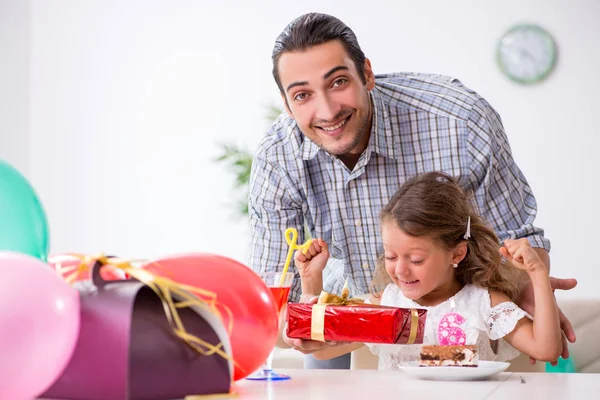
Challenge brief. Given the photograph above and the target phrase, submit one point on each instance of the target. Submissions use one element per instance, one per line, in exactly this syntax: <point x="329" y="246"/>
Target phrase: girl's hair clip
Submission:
<point x="468" y="233"/>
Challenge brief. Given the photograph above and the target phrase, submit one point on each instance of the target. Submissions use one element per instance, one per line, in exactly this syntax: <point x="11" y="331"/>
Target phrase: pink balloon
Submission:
<point x="39" y="325"/>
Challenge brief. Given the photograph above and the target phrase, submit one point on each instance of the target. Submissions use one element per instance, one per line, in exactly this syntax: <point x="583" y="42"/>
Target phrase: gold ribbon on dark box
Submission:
<point x="145" y="338"/>
<point x="344" y="319"/>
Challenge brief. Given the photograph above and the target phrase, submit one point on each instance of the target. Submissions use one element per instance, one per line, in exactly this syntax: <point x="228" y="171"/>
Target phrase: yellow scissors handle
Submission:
<point x="291" y="237"/>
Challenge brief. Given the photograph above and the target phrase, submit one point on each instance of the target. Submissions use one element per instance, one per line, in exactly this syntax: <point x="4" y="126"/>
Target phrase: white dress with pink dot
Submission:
<point x="465" y="318"/>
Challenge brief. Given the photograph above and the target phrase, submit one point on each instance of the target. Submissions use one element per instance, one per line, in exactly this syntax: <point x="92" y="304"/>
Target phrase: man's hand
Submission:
<point x="306" y="346"/>
<point x="527" y="303"/>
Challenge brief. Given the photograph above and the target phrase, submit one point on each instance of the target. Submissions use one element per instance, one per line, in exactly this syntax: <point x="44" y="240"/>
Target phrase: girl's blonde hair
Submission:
<point x="434" y="205"/>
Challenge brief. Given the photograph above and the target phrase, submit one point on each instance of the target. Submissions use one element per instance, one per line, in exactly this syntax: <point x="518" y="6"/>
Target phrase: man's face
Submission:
<point x="328" y="99"/>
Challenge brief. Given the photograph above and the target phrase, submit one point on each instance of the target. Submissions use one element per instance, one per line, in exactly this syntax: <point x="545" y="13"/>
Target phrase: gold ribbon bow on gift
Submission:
<point x="317" y="327"/>
<point x="190" y="296"/>
<point x="317" y="322"/>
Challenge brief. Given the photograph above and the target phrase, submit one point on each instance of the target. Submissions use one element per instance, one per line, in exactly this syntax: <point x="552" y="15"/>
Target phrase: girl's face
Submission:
<point x="420" y="266"/>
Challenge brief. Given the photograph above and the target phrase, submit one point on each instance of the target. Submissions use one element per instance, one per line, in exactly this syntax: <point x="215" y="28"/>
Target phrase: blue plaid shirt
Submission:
<point x="421" y="123"/>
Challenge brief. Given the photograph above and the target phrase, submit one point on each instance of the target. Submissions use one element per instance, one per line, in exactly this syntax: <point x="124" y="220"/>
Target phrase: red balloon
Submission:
<point x="253" y="310"/>
<point x="68" y="263"/>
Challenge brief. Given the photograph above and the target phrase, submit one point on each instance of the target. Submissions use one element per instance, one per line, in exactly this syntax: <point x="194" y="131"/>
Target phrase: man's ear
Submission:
<point x="286" y="105"/>
<point x="369" y="75"/>
<point x="460" y="252"/>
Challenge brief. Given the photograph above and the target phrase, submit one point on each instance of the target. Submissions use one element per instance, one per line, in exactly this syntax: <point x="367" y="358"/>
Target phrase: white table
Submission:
<point x="548" y="386"/>
<point x="397" y="385"/>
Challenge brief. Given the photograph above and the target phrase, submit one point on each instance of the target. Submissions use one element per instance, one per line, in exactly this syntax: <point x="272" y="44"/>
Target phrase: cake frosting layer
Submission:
<point x="459" y="356"/>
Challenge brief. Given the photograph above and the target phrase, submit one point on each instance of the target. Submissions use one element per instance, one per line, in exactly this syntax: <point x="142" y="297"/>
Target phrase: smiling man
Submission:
<point x="349" y="139"/>
<point x="331" y="103"/>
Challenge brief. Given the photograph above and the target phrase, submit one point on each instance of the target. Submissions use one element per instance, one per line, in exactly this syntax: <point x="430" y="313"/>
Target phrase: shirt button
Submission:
<point x="365" y="266"/>
<point x="358" y="222"/>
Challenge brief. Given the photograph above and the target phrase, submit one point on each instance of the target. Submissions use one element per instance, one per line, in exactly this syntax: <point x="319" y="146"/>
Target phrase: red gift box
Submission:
<point x="365" y="323"/>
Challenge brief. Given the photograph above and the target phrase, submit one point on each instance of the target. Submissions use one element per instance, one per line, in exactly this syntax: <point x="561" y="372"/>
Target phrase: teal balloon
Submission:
<point x="563" y="366"/>
<point x="23" y="222"/>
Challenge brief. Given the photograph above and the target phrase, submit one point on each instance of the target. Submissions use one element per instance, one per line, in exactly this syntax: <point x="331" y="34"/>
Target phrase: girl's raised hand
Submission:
<point x="520" y="253"/>
<point x="312" y="263"/>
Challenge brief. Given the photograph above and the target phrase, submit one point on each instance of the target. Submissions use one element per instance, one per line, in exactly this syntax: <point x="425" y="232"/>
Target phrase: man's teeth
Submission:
<point x="333" y="128"/>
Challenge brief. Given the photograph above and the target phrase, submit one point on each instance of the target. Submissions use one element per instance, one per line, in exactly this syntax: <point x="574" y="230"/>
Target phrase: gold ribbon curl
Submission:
<point x="72" y="273"/>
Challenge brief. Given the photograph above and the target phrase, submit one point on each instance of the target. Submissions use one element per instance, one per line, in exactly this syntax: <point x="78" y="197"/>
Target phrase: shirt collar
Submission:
<point x="384" y="141"/>
<point x="308" y="149"/>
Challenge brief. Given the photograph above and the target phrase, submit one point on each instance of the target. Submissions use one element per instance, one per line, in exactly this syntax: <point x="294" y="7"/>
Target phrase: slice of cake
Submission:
<point x="449" y="356"/>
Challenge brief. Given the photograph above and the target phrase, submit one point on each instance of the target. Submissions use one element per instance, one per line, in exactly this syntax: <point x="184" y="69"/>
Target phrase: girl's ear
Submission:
<point x="459" y="252"/>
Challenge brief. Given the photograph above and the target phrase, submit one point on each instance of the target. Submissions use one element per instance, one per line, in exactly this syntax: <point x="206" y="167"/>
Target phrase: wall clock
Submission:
<point x="526" y="53"/>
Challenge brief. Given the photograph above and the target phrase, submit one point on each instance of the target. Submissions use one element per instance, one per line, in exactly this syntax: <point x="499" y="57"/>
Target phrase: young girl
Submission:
<point x="440" y="255"/>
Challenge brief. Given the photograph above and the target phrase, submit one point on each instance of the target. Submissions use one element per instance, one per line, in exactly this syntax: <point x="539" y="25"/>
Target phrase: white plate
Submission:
<point x="484" y="370"/>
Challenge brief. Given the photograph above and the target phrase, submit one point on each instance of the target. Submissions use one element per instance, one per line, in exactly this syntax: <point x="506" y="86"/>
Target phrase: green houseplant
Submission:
<point x="239" y="162"/>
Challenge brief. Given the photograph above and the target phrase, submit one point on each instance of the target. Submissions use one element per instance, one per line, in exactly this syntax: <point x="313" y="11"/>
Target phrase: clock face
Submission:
<point x="526" y="53"/>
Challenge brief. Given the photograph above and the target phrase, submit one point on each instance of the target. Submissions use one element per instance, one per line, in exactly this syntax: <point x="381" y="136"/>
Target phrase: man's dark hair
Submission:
<point x="313" y="29"/>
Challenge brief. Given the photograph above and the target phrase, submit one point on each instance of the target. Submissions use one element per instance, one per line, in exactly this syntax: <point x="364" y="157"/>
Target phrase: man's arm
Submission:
<point x="502" y="193"/>
<point x="544" y="256"/>
<point x="272" y="209"/>
<point x="505" y="199"/>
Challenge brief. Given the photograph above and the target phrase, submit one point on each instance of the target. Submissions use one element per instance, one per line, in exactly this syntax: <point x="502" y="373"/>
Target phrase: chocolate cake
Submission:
<point x="449" y="356"/>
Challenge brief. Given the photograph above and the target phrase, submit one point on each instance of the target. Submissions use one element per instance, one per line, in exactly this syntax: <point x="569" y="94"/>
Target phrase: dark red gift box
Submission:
<point x="365" y="323"/>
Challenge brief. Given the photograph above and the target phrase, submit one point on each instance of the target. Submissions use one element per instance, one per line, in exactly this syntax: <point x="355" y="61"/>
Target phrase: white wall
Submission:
<point x="14" y="83"/>
<point x="130" y="99"/>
